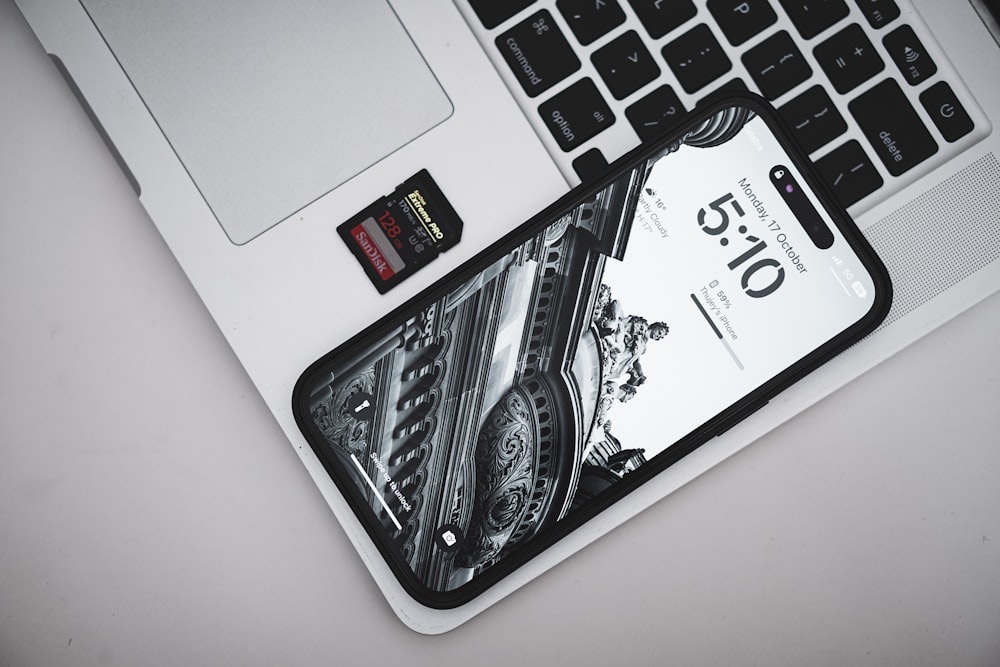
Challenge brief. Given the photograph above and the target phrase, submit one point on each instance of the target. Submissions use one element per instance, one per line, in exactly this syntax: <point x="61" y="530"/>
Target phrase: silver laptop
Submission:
<point x="251" y="131"/>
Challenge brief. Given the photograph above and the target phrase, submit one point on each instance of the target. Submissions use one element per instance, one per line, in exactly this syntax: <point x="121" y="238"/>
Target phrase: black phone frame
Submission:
<point x="723" y="421"/>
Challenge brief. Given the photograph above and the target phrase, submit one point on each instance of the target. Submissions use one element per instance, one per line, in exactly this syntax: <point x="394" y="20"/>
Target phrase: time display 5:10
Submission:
<point x="714" y="221"/>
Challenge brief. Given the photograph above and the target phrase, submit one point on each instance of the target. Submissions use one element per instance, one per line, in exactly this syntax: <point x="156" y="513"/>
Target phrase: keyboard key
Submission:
<point x="850" y="173"/>
<point x="576" y="114"/>
<point x="537" y="53"/>
<point x="909" y="55"/>
<point x="946" y="111"/>
<point x="659" y="17"/>
<point x="625" y="64"/>
<point x="591" y="19"/>
<point x="732" y="86"/>
<point x="696" y="58"/>
<point x="814" y="119"/>
<point x="811" y="17"/>
<point x="892" y="126"/>
<point x="742" y="19"/>
<point x="776" y="65"/>
<point x="590" y="165"/>
<point x="848" y="58"/>
<point x="492" y="13"/>
<point x="655" y="113"/>
<point x="878" y="12"/>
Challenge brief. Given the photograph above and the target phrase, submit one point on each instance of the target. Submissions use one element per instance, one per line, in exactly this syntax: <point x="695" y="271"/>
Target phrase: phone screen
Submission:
<point x="586" y="351"/>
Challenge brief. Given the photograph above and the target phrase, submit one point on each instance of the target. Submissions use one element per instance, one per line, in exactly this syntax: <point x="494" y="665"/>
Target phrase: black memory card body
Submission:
<point x="403" y="231"/>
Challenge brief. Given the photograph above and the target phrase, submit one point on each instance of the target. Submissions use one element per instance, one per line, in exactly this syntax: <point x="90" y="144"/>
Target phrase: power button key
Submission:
<point x="946" y="111"/>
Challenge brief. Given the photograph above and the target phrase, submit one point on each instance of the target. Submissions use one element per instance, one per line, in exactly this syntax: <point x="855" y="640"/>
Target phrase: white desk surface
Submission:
<point x="151" y="513"/>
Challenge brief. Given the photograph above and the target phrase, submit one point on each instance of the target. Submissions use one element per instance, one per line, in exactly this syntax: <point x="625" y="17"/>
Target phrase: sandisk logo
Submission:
<point x="372" y="253"/>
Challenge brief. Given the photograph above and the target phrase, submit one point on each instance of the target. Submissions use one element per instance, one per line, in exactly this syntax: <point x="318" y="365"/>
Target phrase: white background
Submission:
<point x="151" y="512"/>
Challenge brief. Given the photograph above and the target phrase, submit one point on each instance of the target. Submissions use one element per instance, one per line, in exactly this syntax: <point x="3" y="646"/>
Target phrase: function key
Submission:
<point x="742" y="19"/>
<point x="589" y="165"/>
<point x="537" y="53"/>
<point x="625" y="64"/>
<point x="655" y="113"/>
<point x="591" y="19"/>
<point x="811" y="17"/>
<point x="848" y="58"/>
<point x="659" y="17"/>
<point x="878" y="12"/>
<point x="576" y="114"/>
<point x="776" y="65"/>
<point x="946" y="111"/>
<point x="814" y="119"/>
<point x="909" y="55"/>
<point x="492" y="13"/>
<point x="696" y="58"/>
<point x="892" y="126"/>
<point x="850" y="173"/>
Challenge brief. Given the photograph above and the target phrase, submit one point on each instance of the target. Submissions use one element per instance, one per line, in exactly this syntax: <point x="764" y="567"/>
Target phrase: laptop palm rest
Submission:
<point x="271" y="105"/>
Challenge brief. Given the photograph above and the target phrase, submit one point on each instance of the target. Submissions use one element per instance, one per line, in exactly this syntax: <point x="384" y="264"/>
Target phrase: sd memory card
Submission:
<point x="399" y="233"/>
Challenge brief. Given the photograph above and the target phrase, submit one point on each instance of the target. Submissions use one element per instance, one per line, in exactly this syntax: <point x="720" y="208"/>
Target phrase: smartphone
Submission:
<point x="591" y="348"/>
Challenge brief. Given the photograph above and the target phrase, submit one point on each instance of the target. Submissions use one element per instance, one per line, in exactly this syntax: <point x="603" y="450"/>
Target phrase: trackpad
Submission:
<point x="270" y="105"/>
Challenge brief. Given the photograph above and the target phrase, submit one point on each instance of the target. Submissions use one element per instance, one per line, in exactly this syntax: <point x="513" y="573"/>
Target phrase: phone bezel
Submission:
<point x="704" y="433"/>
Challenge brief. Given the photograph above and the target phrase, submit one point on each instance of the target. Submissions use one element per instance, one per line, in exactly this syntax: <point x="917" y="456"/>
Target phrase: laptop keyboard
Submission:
<point x="862" y="83"/>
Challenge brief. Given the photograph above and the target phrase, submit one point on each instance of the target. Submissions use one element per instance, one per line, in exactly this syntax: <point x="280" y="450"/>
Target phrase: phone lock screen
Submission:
<point x="586" y="352"/>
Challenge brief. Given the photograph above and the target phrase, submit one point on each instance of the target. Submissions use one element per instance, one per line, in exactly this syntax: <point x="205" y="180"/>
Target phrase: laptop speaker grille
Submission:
<point x="941" y="237"/>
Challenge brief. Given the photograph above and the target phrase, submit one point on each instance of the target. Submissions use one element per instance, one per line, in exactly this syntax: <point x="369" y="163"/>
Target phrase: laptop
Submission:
<point x="249" y="134"/>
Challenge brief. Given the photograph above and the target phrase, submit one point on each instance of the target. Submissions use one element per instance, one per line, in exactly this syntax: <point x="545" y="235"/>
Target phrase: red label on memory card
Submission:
<point x="372" y="253"/>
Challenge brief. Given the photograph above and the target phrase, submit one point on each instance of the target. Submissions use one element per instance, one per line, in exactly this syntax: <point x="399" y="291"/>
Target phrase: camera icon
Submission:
<point x="448" y="537"/>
